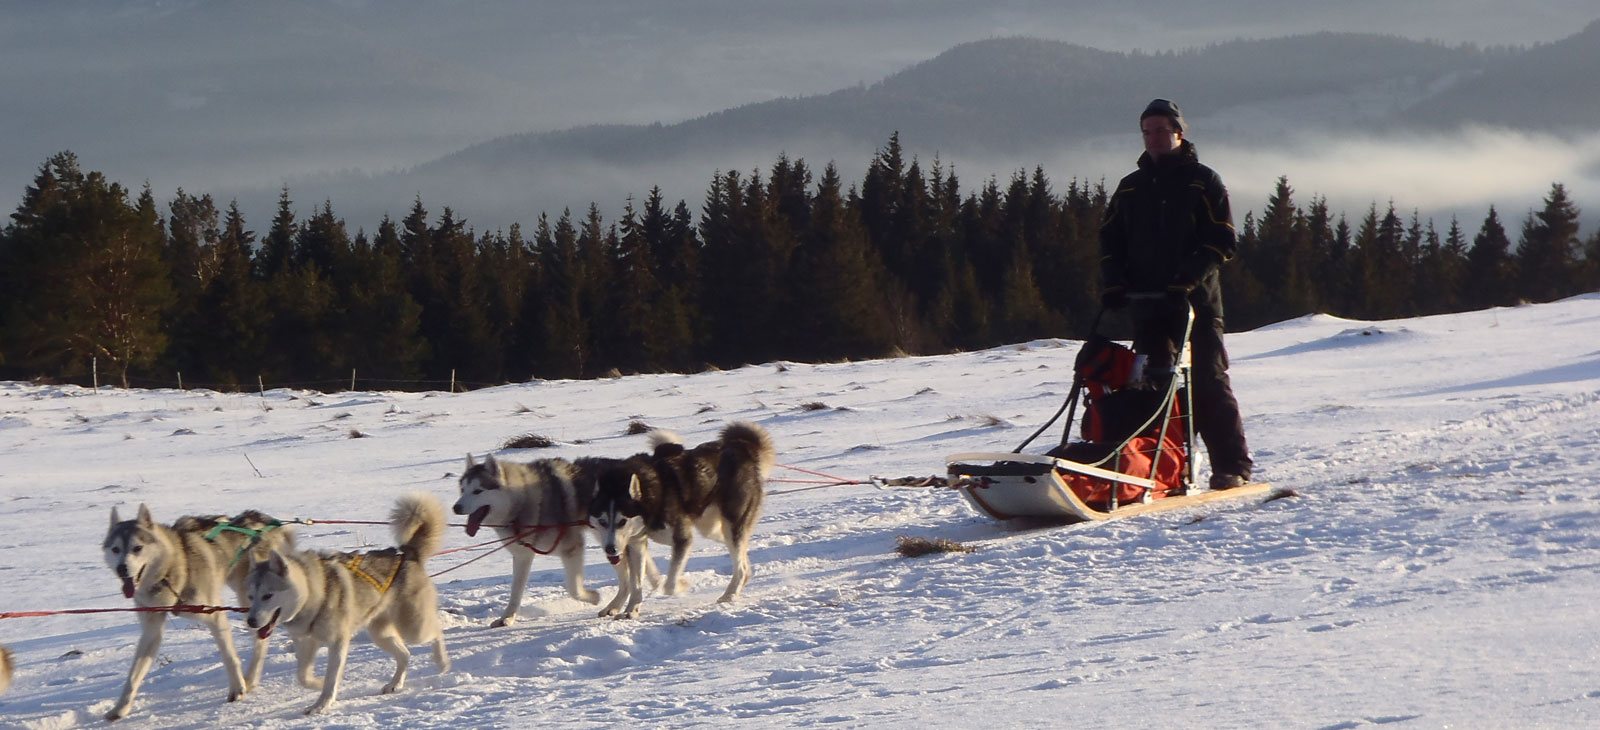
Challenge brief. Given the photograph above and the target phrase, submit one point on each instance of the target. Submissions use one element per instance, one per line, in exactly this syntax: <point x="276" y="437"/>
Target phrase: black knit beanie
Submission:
<point x="1167" y="109"/>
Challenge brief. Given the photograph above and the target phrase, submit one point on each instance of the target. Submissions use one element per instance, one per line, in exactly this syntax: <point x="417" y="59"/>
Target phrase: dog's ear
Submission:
<point x="276" y="564"/>
<point x="145" y="520"/>
<point x="494" y="468"/>
<point x="115" y="520"/>
<point x="470" y="463"/>
<point x="634" y="491"/>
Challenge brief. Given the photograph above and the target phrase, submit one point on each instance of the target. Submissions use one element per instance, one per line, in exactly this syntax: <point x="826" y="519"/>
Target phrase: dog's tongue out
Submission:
<point x="613" y="558"/>
<point x="127" y="587"/>
<point x="475" y="520"/>
<point x="266" y="631"/>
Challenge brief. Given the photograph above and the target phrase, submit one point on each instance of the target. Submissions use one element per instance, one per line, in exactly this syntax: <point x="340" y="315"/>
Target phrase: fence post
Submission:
<point x="352" y="378"/>
<point x="180" y="380"/>
<point x="94" y="366"/>
<point x="262" y="384"/>
<point x="452" y="380"/>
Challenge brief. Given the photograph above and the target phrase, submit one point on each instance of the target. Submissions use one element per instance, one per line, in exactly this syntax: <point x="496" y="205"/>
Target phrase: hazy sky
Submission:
<point x="231" y="95"/>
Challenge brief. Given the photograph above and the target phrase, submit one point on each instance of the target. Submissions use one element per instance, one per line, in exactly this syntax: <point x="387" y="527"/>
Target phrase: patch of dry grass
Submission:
<point x="528" y="441"/>
<point x="916" y="547"/>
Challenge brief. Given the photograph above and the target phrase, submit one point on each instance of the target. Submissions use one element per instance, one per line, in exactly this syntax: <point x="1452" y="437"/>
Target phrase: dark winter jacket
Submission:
<point x="1168" y="224"/>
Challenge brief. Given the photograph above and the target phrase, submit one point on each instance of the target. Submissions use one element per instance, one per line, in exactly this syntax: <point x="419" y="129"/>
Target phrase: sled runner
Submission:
<point x="1133" y="457"/>
<point x="1007" y="486"/>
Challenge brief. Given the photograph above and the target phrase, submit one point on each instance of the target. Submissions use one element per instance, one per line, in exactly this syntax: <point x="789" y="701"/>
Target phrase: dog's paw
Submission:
<point x="392" y="688"/>
<point x="311" y="683"/>
<point x="590" y="597"/>
<point x="317" y="709"/>
<point x="116" y="714"/>
<point x="728" y="598"/>
<point x="502" y="622"/>
<point x="608" y="611"/>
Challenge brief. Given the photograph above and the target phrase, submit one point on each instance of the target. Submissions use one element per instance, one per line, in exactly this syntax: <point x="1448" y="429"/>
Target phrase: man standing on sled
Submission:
<point x="1167" y="230"/>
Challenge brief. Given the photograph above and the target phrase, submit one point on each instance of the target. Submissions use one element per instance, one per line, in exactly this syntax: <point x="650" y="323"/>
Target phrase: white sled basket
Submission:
<point x="1008" y="486"/>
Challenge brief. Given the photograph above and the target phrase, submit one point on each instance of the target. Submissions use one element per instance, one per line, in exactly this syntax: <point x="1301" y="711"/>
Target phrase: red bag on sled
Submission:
<point x="1120" y="428"/>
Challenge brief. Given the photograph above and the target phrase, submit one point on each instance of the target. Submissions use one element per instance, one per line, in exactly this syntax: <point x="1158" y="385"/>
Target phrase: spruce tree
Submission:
<point x="231" y="319"/>
<point x="85" y="276"/>
<point x="1490" y="271"/>
<point x="564" y="346"/>
<point x="1549" y="253"/>
<point x="1278" y="262"/>
<point x="836" y="274"/>
<point x="191" y="255"/>
<point x="674" y="258"/>
<point x="463" y="344"/>
<point x="277" y="249"/>
<point x="595" y="245"/>
<point x="381" y="325"/>
<point x="634" y="337"/>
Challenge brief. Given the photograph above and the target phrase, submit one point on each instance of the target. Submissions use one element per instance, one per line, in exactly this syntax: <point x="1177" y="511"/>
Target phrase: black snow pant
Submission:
<point x="1158" y="328"/>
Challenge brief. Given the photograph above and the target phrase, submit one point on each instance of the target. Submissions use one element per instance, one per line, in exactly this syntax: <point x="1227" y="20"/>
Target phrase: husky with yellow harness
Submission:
<point x="324" y="599"/>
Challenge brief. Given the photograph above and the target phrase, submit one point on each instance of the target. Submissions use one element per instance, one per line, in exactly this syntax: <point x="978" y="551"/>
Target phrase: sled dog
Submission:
<point x="5" y="669"/>
<point x="540" y="506"/>
<point x="715" y="488"/>
<point x="188" y="562"/>
<point x="324" y="599"/>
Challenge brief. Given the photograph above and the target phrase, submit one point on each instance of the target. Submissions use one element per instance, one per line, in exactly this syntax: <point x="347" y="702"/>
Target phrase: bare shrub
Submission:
<point x="527" y="441"/>
<point x="916" y="547"/>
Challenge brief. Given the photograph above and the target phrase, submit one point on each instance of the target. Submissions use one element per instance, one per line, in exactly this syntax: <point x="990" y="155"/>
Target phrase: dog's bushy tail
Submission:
<point x="664" y="443"/>
<point x="418" y="521"/>
<point x="5" y="669"/>
<point x="747" y="442"/>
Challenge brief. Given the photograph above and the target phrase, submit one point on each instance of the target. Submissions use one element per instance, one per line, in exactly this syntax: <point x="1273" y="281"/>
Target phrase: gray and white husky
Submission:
<point x="540" y="505"/>
<point x="187" y="562"/>
<point x="715" y="488"/>
<point x="324" y="599"/>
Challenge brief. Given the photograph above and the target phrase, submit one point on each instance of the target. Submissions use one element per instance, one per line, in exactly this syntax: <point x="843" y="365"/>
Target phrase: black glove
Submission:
<point x="1114" y="297"/>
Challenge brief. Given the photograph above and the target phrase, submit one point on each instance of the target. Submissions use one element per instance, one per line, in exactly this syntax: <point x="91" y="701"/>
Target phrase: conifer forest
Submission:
<point x="785" y="263"/>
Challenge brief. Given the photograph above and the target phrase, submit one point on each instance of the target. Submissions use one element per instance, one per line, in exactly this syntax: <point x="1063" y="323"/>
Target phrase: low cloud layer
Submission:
<point x="1456" y="174"/>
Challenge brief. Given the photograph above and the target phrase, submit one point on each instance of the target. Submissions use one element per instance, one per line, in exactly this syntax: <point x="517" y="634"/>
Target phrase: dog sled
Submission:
<point x="1133" y="455"/>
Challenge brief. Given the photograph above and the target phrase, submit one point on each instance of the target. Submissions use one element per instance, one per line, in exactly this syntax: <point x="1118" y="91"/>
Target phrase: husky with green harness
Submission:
<point x="188" y="562"/>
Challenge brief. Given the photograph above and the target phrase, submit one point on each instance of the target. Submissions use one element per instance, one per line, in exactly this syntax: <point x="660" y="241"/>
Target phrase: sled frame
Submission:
<point x="1008" y="486"/>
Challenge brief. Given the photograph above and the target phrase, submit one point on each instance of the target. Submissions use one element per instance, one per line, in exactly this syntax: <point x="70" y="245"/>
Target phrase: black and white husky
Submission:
<point x="667" y="495"/>
<point x="538" y="508"/>
<point x="187" y="562"/>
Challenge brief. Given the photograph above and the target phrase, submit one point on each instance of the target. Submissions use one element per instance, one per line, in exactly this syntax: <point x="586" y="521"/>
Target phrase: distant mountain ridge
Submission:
<point x="1015" y="92"/>
<point x="1016" y="101"/>
<point x="1551" y="87"/>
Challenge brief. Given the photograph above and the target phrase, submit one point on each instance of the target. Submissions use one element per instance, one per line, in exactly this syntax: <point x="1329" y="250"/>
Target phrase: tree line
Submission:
<point x="784" y="263"/>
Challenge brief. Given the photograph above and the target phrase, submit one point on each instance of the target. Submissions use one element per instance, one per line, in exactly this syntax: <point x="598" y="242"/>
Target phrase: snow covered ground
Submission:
<point x="1439" y="568"/>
